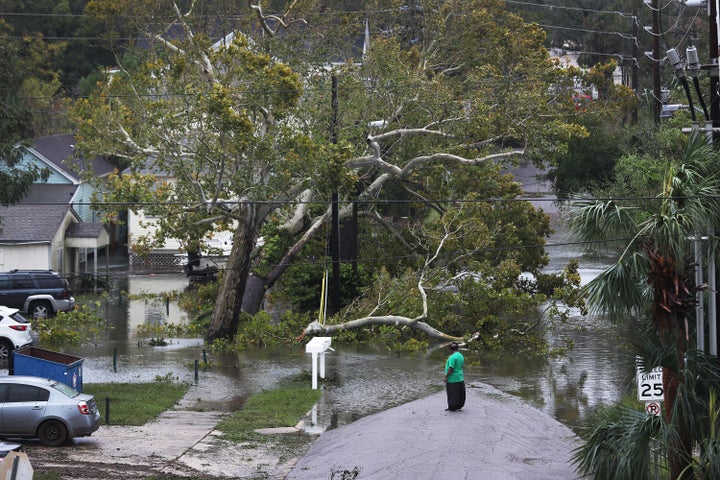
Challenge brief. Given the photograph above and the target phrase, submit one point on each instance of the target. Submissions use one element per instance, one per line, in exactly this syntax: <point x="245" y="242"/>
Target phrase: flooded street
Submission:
<point x="360" y="380"/>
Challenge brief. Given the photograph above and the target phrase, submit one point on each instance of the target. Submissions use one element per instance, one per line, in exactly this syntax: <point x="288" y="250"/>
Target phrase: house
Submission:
<point x="52" y="226"/>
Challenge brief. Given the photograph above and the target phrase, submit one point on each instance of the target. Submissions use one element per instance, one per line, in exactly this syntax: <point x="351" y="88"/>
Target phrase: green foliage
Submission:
<point x="400" y="340"/>
<point x="619" y="439"/>
<point x="260" y="331"/>
<point x="136" y="403"/>
<point x="589" y="161"/>
<point x="236" y="123"/>
<point x="69" y="328"/>
<point x="302" y="286"/>
<point x="199" y="301"/>
<point x="618" y="443"/>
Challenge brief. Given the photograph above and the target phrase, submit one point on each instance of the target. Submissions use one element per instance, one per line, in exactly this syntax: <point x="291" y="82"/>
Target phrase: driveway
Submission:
<point x="496" y="436"/>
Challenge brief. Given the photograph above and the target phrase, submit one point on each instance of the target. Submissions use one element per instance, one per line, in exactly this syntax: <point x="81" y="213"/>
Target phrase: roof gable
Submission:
<point x="58" y="153"/>
<point x="39" y="215"/>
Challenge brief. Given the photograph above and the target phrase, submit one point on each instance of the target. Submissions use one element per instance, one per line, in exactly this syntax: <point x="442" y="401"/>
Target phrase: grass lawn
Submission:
<point x="281" y="407"/>
<point x="135" y="403"/>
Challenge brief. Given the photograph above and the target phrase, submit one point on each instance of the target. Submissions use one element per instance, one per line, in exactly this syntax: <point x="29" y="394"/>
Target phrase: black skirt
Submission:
<point x="455" y="395"/>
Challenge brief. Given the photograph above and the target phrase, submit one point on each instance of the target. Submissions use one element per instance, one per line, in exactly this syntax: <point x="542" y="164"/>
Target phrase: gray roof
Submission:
<point x="60" y="151"/>
<point x="38" y="216"/>
<point x="85" y="230"/>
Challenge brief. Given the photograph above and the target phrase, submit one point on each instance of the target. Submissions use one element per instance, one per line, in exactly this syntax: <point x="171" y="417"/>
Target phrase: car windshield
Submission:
<point x="64" y="389"/>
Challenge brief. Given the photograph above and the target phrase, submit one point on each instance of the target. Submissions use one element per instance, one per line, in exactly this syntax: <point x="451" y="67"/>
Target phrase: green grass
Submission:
<point x="281" y="407"/>
<point x="135" y="403"/>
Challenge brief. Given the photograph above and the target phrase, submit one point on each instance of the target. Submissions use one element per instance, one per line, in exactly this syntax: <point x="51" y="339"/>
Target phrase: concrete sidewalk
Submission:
<point x="495" y="437"/>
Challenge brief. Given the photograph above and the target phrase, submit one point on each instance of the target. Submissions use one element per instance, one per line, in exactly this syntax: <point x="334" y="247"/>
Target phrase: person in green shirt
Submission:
<point x="454" y="379"/>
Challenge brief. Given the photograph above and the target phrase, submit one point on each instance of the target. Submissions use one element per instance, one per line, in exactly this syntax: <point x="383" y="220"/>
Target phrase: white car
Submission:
<point x="14" y="333"/>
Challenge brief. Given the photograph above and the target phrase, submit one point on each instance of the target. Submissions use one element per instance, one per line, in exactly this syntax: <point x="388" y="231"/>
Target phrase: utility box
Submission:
<point x="37" y="362"/>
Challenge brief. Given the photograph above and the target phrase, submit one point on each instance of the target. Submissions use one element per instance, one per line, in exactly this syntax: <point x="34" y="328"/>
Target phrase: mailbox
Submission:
<point x="317" y="347"/>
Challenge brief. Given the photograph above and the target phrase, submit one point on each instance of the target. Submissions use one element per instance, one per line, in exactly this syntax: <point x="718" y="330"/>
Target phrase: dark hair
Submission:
<point x="454" y="346"/>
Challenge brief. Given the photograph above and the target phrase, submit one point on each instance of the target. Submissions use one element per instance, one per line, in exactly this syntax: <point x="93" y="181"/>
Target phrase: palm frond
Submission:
<point x="618" y="443"/>
<point x="602" y="221"/>
<point x="619" y="287"/>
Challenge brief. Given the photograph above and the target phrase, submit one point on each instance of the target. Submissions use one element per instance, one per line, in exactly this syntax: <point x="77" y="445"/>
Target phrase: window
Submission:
<point x="22" y="282"/>
<point x="27" y="393"/>
<point x="4" y="282"/>
<point x="48" y="281"/>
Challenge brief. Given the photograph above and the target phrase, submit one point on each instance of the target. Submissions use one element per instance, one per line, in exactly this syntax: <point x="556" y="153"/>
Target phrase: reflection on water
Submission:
<point x="362" y="380"/>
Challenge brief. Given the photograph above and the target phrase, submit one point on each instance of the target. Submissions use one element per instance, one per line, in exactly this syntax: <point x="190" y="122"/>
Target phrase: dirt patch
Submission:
<point x="179" y="444"/>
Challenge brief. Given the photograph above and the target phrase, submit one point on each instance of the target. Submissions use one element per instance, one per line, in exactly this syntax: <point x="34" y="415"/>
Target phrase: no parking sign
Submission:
<point x="653" y="408"/>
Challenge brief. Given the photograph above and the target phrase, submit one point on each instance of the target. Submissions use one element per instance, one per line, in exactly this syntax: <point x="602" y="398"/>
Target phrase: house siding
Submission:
<point x="30" y="159"/>
<point x="163" y="259"/>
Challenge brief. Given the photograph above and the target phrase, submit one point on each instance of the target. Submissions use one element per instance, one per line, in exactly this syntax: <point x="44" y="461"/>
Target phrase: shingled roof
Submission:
<point x="38" y="216"/>
<point x="85" y="230"/>
<point x="60" y="151"/>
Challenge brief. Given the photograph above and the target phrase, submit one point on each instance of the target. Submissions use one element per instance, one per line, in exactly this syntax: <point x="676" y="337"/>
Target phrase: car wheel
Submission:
<point x="52" y="433"/>
<point x="40" y="309"/>
<point x="6" y="349"/>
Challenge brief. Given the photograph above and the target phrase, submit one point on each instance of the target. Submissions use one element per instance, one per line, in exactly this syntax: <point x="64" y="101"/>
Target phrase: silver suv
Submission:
<point x="40" y="293"/>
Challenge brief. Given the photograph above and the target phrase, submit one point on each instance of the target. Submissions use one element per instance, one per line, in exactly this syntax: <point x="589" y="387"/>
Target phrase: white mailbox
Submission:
<point x="317" y="347"/>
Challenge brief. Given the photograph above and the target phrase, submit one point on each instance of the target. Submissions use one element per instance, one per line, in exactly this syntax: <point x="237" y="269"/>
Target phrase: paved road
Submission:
<point x="495" y="437"/>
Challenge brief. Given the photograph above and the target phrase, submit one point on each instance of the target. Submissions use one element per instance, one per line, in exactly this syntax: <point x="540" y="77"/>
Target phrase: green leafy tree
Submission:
<point x="15" y="122"/>
<point x="247" y="131"/>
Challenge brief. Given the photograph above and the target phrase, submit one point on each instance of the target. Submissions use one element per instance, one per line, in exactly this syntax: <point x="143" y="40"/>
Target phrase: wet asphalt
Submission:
<point x="494" y="437"/>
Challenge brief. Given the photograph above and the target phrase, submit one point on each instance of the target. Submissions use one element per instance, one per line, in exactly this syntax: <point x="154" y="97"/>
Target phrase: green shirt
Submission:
<point x="455" y="361"/>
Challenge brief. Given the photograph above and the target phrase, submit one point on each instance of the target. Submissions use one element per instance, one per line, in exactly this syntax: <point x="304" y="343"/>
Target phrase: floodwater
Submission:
<point x="360" y="380"/>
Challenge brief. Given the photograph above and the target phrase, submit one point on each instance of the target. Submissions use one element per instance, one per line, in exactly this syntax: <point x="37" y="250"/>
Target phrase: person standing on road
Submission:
<point x="455" y="379"/>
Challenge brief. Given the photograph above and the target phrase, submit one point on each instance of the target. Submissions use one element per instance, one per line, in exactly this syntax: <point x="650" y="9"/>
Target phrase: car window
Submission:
<point x="47" y="281"/>
<point x="22" y="282"/>
<point x="19" y="318"/>
<point x="27" y="393"/>
<point x="3" y="390"/>
<point x="65" y="389"/>
<point x="4" y="282"/>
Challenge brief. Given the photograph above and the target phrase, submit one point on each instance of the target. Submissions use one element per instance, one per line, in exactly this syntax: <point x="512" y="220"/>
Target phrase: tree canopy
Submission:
<point x="259" y="127"/>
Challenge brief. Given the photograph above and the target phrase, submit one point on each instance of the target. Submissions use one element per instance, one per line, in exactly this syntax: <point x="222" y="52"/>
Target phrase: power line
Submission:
<point x="580" y="9"/>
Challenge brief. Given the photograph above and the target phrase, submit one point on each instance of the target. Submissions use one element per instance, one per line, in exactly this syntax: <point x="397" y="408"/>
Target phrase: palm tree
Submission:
<point x="653" y="268"/>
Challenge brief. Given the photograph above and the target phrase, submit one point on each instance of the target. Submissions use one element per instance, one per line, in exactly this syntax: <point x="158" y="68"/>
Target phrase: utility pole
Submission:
<point x="713" y="67"/>
<point x="657" y="103"/>
<point x="713" y="12"/>
<point x="335" y="231"/>
<point x="635" y="59"/>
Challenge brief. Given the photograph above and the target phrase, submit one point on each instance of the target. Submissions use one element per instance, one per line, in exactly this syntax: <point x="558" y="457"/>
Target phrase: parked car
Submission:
<point x="14" y="333"/>
<point x="34" y="407"/>
<point x="40" y="293"/>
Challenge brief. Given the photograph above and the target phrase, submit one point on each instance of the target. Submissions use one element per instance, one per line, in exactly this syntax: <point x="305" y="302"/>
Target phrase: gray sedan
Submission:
<point x="51" y="411"/>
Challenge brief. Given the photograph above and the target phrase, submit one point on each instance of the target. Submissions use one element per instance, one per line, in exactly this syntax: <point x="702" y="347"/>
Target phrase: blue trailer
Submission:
<point x="38" y="362"/>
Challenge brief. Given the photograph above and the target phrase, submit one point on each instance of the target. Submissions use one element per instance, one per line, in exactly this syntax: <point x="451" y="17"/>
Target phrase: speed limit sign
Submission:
<point x="650" y="385"/>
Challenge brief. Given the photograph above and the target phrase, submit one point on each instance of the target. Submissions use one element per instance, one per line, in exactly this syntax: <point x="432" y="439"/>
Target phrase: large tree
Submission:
<point x="260" y="130"/>
<point x="16" y="120"/>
